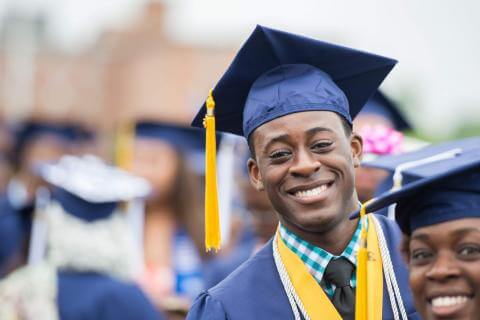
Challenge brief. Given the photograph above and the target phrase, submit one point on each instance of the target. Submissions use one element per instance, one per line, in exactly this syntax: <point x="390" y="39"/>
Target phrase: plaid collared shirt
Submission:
<point x="317" y="259"/>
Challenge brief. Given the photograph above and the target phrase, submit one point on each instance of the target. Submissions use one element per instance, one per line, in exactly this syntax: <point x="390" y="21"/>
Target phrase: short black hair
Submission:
<point x="347" y="128"/>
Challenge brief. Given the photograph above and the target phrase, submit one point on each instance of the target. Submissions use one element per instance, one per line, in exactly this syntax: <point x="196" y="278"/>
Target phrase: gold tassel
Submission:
<point x="212" y="220"/>
<point x="124" y="145"/>
<point x="361" y="302"/>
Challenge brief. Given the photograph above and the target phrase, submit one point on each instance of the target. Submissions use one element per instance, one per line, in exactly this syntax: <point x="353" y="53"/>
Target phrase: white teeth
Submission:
<point x="448" y="301"/>
<point x="312" y="192"/>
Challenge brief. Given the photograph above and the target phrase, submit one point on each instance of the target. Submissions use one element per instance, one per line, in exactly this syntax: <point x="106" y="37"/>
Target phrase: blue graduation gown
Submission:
<point x="218" y="269"/>
<point x="87" y="295"/>
<point x="15" y="227"/>
<point x="255" y="291"/>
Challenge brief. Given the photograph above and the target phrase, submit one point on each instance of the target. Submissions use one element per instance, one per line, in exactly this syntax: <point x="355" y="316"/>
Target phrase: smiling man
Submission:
<point x="293" y="99"/>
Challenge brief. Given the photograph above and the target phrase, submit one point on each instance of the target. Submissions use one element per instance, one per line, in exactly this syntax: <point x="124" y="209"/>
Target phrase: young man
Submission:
<point x="293" y="99"/>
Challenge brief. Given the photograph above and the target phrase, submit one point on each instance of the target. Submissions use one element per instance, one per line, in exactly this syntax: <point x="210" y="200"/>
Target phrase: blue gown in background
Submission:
<point x="15" y="225"/>
<point x="255" y="291"/>
<point x="92" y="296"/>
<point x="219" y="268"/>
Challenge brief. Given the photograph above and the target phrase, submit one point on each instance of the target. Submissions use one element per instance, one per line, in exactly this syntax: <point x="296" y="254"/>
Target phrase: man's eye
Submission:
<point x="279" y="154"/>
<point x="421" y="255"/>
<point x="321" y="145"/>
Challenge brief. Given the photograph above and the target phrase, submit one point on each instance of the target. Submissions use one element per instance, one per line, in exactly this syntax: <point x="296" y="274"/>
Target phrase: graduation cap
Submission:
<point x="274" y="74"/>
<point x="381" y="105"/>
<point x="186" y="140"/>
<point x="436" y="184"/>
<point x="89" y="189"/>
<point x="183" y="138"/>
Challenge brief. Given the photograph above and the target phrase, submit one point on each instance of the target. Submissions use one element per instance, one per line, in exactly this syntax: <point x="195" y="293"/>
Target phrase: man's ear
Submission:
<point x="255" y="175"/>
<point x="356" y="144"/>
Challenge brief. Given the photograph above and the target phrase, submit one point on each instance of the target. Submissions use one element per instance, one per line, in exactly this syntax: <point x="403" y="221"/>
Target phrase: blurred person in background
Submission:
<point x="170" y="157"/>
<point x="35" y="142"/>
<point x="258" y="224"/>
<point x="6" y="149"/>
<point x="381" y="126"/>
<point x="85" y="258"/>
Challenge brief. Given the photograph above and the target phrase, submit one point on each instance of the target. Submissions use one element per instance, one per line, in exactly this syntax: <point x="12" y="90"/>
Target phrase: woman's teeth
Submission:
<point x="448" y="301"/>
<point x="312" y="192"/>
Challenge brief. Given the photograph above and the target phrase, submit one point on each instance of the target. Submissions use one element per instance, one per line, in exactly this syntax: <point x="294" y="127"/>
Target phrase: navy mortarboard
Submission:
<point x="380" y="104"/>
<point x="432" y="185"/>
<point x="274" y="75"/>
<point x="186" y="140"/>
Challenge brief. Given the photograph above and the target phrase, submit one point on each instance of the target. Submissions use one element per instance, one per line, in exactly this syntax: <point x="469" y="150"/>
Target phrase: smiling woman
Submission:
<point x="444" y="260"/>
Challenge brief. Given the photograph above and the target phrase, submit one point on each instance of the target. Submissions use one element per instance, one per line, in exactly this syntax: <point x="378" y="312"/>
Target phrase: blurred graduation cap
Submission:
<point x="274" y="74"/>
<point x="88" y="188"/>
<point x="381" y="105"/>
<point x="436" y="184"/>
<point x="29" y="130"/>
<point x="186" y="140"/>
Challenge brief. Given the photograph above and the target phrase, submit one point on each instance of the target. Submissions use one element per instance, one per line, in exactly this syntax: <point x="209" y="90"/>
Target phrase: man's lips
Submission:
<point x="310" y="193"/>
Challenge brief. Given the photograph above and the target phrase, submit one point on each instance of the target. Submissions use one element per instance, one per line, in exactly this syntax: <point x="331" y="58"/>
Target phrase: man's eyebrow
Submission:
<point x="274" y="139"/>
<point x="314" y="130"/>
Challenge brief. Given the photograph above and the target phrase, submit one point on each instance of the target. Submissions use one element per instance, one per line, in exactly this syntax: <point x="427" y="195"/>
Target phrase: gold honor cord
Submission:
<point x="361" y="300"/>
<point x="212" y="220"/>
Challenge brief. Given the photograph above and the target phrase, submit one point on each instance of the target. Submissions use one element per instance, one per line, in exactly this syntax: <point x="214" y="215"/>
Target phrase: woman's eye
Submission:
<point x="420" y="255"/>
<point x="469" y="250"/>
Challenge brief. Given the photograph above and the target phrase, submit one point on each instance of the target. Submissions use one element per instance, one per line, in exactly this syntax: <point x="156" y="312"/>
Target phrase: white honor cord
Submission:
<point x="392" y="285"/>
<point x="293" y="298"/>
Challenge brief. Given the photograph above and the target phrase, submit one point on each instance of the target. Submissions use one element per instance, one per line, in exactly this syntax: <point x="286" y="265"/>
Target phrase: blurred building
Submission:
<point x="136" y="72"/>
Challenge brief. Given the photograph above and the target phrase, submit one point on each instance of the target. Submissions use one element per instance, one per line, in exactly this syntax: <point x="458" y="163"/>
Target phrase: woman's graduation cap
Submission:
<point x="88" y="188"/>
<point x="436" y="184"/>
<point x="277" y="73"/>
<point x="381" y="105"/>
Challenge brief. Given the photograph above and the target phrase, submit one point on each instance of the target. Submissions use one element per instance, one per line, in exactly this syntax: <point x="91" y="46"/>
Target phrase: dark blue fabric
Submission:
<point x="11" y="233"/>
<point x="181" y="137"/>
<point x="219" y="268"/>
<point x="80" y="208"/>
<point x="419" y="179"/>
<point x="292" y="88"/>
<point x="91" y="296"/>
<point x="15" y="226"/>
<point x="254" y="290"/>
<point x="356" y="75"/>
<point x="380" y="105"/>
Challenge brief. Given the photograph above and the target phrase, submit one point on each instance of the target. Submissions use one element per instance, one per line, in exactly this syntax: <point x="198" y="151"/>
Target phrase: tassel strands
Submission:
<point x="212" y="220"/>
<point x="361" y="303"/>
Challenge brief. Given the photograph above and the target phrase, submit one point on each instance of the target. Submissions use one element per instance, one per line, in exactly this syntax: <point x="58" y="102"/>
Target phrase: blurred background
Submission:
<point x="88" y="72"/>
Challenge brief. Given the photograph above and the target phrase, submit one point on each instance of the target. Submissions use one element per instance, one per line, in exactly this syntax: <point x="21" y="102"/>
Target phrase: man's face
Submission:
<point x="305" y="162"/>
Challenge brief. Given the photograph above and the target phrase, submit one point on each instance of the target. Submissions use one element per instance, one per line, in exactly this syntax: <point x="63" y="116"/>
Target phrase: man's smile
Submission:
<point x="312" y="192"/>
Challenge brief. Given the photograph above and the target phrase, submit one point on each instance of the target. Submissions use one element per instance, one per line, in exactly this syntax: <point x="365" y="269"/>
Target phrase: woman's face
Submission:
<point x="444" y="264"/>
<point x="156" y="161"/>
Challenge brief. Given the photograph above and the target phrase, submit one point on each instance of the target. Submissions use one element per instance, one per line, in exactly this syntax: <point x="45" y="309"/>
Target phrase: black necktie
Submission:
<point x="339" y="272"/>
